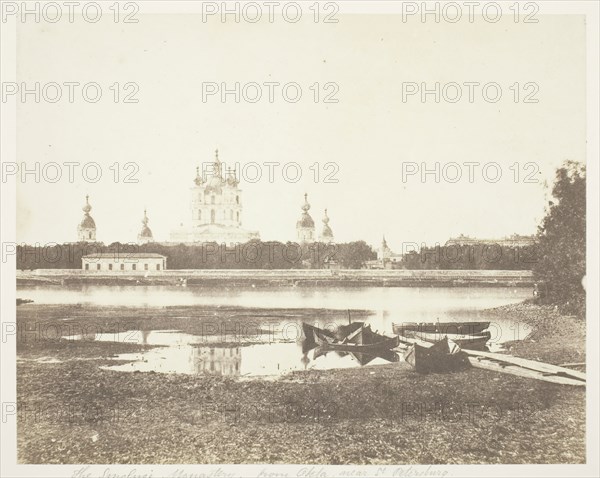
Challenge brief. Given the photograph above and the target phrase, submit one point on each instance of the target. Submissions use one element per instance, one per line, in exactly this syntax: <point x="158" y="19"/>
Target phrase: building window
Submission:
<point x="237" y="199"/>
<point x="212" y="216"/>
<point x="122" y="267"/>
<point x="238" y="217"/>
<point x="90" y="234"/>
<point x="87" y="267"/>
<point x="98" y="267"/>
<point x="110" y="267"/>
<point x="212" y="199"/>
<point x="133" y="267"/>
<point x="157" y="267"/>
<point x="145" y="267"/>
<point x="199" y="215"/>
<point x="231" y="214"/>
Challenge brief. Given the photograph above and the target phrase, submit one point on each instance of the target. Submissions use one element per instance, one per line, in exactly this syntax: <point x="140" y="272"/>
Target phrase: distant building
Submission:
<point x="305" y="227"/>
<point x="216" y="210"/>
<point x="514" y="240"/>
<point x="386" y="259"/>
<point x="86" y="231"/>
<point x="123" y="262"/>
<point x="326" y="233"/>
<point x="145" y="235"/>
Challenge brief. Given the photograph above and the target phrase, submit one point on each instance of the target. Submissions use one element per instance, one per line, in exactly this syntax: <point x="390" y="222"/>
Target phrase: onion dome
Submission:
<point x="145" y="232"/>
<point x="198" y="180"/>
<point x="87" y="221"/>
<point x="231" y="178"/>
<point x="327" y="232"/>
<point x="305" y="219"/>
<point x="216" y="180"/>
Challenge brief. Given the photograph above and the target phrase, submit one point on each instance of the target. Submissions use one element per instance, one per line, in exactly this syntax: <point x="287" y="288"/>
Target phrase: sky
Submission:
<point x="371" y="134"/>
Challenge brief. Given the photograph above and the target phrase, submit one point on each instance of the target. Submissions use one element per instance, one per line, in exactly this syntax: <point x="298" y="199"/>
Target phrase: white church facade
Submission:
<point x="215" y="215"/>
<point x="216" y="210"/>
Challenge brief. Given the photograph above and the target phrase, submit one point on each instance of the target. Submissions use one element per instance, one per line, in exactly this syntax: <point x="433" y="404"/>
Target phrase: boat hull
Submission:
<point x="458" y="328"/>
<point x="471" y="342"/>
<point x="442" y="356"/>
<point x="386" y="344"/>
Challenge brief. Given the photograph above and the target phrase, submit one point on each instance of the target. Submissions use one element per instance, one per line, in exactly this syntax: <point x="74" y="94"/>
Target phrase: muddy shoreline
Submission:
<point x="72" y="411"/>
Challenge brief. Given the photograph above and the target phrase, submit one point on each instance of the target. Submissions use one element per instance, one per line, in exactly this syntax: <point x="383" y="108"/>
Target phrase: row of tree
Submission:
<point x="251" y="255"/>
<point x="472" y="256"/>
<point x="277" y="255"/>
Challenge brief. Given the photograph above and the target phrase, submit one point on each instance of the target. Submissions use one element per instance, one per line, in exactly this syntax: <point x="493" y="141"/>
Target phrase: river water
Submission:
<point x="180" y="352"/>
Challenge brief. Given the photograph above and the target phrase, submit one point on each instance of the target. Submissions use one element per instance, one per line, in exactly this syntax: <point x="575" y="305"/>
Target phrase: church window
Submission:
<point x="212" y="216"/>
<point x="199" y="215"/>
<point x="87" y="267"/>
<point x="231" y="214"/>
<point x="237" y="199"/>
<point x="98" y="266"/>
<point x="90" y="235"/>
<point x="238" y="217"/>
<point x="212" y="199"/>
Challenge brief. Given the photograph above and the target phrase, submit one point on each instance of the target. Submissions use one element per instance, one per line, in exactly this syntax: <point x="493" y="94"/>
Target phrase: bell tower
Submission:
<point x="305" y="227"/>
<point x="86" y="231"/>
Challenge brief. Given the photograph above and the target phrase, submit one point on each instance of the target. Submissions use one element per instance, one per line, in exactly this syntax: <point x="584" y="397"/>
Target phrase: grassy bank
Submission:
<point x="554" y="338"/>
<point x="74" y="412"/>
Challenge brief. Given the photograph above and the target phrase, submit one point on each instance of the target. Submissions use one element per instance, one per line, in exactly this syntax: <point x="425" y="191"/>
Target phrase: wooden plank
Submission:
<point x="530" y="364"/>
<point x="488" y="364"/>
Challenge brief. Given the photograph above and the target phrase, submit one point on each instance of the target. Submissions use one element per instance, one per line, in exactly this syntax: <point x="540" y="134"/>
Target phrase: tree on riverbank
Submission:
<point x="251" y="255"/>
<point x="562" y="241"/>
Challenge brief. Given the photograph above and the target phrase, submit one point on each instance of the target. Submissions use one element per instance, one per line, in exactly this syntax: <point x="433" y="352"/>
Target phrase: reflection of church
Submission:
<point x="216" y="360"/>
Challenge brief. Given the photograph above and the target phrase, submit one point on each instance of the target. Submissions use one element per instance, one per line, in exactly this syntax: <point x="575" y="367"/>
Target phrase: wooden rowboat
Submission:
<point x="471" y="342"/>
<point x="441" y="356"/>
<point x="355" y="337"/>
<point x="339" y="334"/>
<point x="460" y="328"/>
<point x="387" y="343"/>
<point x="308" y="331"/>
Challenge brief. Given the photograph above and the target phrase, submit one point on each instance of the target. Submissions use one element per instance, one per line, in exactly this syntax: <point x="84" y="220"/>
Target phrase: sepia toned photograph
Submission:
<point x="299" y="239"/>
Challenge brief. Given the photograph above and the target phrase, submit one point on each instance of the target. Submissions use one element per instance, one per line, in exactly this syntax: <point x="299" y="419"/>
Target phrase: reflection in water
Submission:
<point x="360" y="358"/>
<point x="386" y="304"/>
<point x="178" y="352"/>
<point x="216" y="360"/>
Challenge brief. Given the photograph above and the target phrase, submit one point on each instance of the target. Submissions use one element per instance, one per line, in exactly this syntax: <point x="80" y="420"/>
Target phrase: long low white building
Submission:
<point x="123" y="261"/>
